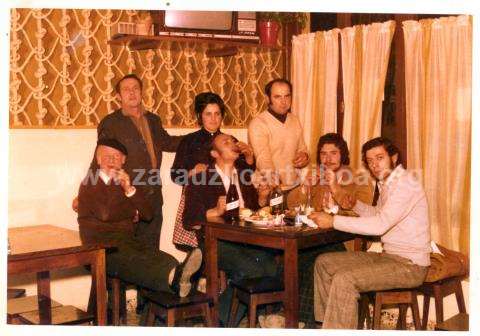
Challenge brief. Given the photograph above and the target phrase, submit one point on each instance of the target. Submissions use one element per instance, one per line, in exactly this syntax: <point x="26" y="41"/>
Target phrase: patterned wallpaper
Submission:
<point x="63" y="72"/>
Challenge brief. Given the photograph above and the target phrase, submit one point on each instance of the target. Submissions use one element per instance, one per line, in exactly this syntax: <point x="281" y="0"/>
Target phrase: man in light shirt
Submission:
<point x="400" y="218"/>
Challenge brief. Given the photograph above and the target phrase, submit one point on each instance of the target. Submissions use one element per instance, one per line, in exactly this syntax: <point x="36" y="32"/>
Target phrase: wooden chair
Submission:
<point x="119" y="297"/>
<point x="172" y="307"/>
<point x="438" y="290"/>
<point x="404" y="298"/>
<point x="25" y="310"/>
<point x="457" y="322"/>
<point x="13" y="293"/>
<point x="24" y="304"/>
<point x="61" y="315"/>
<point x="254" y="292"/>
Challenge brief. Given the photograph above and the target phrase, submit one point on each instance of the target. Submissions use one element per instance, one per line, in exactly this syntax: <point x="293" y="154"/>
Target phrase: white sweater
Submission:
<point x="400" y="218"/>
<point x="275" y="145"/>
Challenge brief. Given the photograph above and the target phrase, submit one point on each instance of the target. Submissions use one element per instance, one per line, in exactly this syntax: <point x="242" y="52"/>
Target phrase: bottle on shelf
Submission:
<point x="232" y="210"/>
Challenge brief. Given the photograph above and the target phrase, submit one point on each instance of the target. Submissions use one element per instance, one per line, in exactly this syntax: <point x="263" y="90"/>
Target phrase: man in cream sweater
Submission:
<point x="276" y="136"/>
<point x="400" y="218"/>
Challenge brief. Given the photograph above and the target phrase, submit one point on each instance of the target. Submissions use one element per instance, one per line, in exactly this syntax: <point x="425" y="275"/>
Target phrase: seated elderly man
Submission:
<point x="109" y="210"/>
<point x="400" y="218"/>
<point x="207" y="201"/>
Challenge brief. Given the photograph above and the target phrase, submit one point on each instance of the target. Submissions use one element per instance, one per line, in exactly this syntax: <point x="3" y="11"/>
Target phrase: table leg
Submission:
<point x="360" y="244"/>
<point x="98" y="273"/>
<point x="44" y="301"/>
<point x="211" y="268"/>
<point x="290" y="275"/>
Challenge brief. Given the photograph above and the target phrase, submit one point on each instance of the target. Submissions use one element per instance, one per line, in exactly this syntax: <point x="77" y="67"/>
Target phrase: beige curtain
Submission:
<point x="325" y="74"/>
<point x="438" y="68"/>
<point x="302" y="80"/>
<point x="314" y="78"/>
<point x="365" y="54"/>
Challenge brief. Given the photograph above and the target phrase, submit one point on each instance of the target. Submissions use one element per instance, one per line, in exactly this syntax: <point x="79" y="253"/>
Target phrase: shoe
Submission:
<point x="181" y="283"/>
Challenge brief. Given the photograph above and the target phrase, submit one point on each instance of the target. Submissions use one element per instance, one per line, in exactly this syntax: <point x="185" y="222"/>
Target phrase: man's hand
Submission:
<point x="323" y="220"/>
<point x="221" y="205"/>
<point x="122" y="177"/>
<point x="263" y="190"/>
<point x="75" y="204"/>
<point x="219" y="210"/>
<point x="345" y="200"/>
<point x="246" y="150"/>
<point x="199" y="167"/>
<point x="331" y="179"/>
<point x="300" y="160"/>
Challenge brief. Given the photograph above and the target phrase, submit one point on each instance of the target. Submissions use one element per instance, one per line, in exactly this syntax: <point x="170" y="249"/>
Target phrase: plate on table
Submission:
<point x="257" y="220"/>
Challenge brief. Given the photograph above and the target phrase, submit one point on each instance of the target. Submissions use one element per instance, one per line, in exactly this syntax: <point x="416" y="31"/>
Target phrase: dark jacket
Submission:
<point x="104" y="212"/>
<point x="200" y="197"/>
<point x="117" y="125"/>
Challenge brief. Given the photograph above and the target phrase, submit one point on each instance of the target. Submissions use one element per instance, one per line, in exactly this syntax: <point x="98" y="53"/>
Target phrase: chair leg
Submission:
<point x="150" y="319"/>
<point x="252" y="312"/>
<point x="415" y="311"/>
<point x="233" y="309"/>
<point x="116" y="301"/>
<point x="123" y="304"/>
<point x="437" y="293"/>
<point x="171" y="317"/>
<point x="207" y="313"/>
<point x="377" y="313"/>
<point x="459" y="297"/>
<point x="362" y="311"/>
<point x="402" y="316"/>
<point x="426" y="309"/>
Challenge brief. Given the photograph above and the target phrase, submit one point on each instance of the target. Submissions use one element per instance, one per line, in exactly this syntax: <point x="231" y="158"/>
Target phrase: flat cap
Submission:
<point x="113" y="143"/>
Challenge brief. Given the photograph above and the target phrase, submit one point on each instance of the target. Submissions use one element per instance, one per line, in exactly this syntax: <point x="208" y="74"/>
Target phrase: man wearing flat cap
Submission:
<point x="109" y="210"/>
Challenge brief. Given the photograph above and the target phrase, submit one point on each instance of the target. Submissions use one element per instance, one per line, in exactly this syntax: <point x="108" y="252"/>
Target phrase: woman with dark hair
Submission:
<point x="193" y="155"/>
<point x="332" y="155"/>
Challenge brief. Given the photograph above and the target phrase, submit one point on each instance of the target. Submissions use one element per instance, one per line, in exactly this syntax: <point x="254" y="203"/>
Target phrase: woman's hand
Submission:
<point x="199" y="167"/>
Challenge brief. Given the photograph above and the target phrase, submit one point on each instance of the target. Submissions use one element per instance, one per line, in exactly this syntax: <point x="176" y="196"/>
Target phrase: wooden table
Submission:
<point x="287" y="238"/>
<point x="42" y="248"/>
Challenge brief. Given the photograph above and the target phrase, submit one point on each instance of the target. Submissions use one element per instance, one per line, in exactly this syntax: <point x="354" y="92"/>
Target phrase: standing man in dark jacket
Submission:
<point x="141" y="132"/>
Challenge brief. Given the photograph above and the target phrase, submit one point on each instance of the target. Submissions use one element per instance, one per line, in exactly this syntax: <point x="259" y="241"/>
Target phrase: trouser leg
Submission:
<point x="241" y="262"/>
<point x="306" y="262"/>
<point x="338" y="297"/>
<point x="144" y="267"/>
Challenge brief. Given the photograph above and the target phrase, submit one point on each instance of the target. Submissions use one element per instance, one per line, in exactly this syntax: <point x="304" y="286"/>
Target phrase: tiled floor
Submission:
<point x="389" y="320"/>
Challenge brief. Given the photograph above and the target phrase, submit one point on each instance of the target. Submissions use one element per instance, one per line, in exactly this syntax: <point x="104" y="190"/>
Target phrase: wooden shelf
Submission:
<point x="216" y="47"/>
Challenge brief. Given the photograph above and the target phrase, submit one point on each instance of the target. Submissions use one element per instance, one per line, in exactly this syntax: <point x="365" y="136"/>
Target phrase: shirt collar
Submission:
<point x="128" y="115"/>
<point x="394" y="175"/>
<point x="105" y="178"/>
<point x="280" y="117"/>
<point x="207" y="133"/>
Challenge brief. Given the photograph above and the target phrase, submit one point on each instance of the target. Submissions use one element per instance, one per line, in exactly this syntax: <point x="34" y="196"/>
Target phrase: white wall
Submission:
<point x="45" y="169"/>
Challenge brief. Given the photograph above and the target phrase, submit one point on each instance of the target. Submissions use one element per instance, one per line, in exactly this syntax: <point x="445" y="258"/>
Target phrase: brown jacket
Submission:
<point x="362" y="192"/>
<point x="105" y="212"/>
<point x="120" y="127"/>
